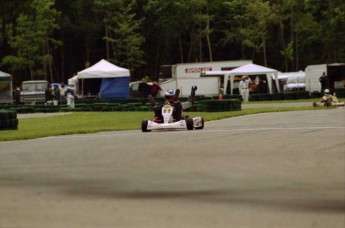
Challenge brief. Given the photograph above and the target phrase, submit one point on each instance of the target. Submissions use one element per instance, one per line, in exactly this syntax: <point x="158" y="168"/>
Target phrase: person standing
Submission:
<point x="17" y="95"/>
<point x="144" y="88"/>
<point x="56" y="95"/>
<point x="244" y="90"/>
<point x="63" y="90"/>
<point x="155" y="88"/>
<point x="324" y="82"/>
<point x="48" y="95"/>
<point x="70" y="97"/>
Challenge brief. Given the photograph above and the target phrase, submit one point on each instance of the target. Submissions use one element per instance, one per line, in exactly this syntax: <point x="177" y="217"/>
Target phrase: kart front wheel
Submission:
<point x="202" y="124"/>
<point x="144" y="124"/>
<point x="190" y="124"/>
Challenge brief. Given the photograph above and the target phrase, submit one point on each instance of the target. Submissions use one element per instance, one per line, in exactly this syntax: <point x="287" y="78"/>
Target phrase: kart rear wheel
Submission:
<point x="190" y="124"/>
<point x="202" y="124"/>
<point x="144" y="124"/>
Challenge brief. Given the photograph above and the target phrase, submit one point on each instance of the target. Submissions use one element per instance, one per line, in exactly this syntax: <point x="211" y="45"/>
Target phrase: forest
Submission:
<point x="54" y="39"/>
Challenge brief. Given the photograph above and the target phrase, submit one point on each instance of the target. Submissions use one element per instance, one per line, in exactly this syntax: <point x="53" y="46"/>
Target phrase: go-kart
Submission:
<point x="169" y="122"/>
<point x="334" y="102"/>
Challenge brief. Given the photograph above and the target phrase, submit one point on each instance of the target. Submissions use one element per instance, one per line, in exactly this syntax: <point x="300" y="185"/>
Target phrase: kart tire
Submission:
<point x="190" y="123"/>
<point x="144" y="124"/>
<point x="202" y="124"/>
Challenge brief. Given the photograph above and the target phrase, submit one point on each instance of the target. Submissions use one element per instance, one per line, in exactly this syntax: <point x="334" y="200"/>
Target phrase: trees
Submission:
<point x="33" y="40"/>
<point x="54" y="39"/>
<point x="122" y="32"/>
<point x="184" y="26"/>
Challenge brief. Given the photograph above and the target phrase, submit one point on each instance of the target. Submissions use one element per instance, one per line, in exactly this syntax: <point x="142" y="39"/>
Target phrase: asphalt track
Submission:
<point x="266" y="170"/>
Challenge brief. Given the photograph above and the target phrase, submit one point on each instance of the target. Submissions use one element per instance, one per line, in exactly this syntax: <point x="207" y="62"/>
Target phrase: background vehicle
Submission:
<point x="33" y="91"/>
<point x="134" y="89"/>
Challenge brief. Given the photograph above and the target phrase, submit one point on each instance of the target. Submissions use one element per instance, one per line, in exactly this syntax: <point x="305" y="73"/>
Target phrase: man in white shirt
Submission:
<point x="243" y="86"/>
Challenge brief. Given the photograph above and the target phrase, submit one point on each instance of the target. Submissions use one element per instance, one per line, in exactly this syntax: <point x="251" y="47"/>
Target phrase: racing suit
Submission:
<point x="327" y="100"/>
<point x="177" y="104"/>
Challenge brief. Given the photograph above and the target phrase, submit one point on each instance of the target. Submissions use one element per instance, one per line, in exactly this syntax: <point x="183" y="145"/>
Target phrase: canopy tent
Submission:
<point x="248" y="69"/>
<point x="113" y="81"/>
<point x="6" y="95"/>
<point x="253" y="69"/>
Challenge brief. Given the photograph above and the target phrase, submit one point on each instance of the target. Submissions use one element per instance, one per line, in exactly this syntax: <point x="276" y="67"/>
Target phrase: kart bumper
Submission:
<point x="176" y="125"/>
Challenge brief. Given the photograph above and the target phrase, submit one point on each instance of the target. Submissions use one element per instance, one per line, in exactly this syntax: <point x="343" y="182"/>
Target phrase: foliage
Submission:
<point x="55" y="39"/>
<point x="33" y="40"/>
<point x="122" y="32"/>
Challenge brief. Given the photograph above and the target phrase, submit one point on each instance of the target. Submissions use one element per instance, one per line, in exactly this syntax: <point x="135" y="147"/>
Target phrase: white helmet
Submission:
<point x="326" y="91"/>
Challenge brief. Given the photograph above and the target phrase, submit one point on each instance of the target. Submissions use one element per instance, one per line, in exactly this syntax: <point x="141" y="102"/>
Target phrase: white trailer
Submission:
<point x="312" y="75"/>
<point x="206" y="86"/>
<point x="185" y="75"/>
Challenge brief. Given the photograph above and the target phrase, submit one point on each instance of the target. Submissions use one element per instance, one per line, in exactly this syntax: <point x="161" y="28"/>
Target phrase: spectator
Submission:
<point x="70" y="97"/>
<point x="56" y="95"/>
<point x="63" y="90"/>
<point x="48" y="95"/>
<point x="144" y="88"/>
<point x="155" y="88"/>
<point x="221" y="88"/>
<point x="17" y="95"/>
<point x="324" y="81"/>
<point x="244" y="90"/>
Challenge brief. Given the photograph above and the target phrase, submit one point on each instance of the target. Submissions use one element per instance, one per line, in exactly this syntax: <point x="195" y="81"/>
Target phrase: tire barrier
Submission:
<point x="224" y="105"/>
<point x="340" y="92"/>
<point x="208" y="104"/>
<point x="8" y="120"/>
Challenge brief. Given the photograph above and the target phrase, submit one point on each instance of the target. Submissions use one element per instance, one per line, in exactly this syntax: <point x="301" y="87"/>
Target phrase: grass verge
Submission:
<point x="91" y="122"/>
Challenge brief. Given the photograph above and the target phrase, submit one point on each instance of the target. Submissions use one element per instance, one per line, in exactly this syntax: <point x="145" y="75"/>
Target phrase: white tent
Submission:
<point x="114" y="79"/>
<point x="5" y="87"/>
<point x="103" y="69"/>
<point x="248" y="69"/>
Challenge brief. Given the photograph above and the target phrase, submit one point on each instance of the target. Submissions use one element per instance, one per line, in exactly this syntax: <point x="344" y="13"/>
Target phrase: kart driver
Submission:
<point x="172" y="98"/>
<point x="327" y="99"/>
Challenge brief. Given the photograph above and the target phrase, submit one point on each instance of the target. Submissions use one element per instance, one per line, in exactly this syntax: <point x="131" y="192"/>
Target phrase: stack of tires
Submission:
<point x="222" y="105"/>
<point x="8" y="120"/>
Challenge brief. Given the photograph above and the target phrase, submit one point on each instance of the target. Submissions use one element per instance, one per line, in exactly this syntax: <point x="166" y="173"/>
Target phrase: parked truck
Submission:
<point x="184" y="75"/>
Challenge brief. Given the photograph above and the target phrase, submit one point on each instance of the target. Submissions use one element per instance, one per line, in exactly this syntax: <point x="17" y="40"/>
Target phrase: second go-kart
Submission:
<point x="168" y="121"/>
<point x="328" y="100"/>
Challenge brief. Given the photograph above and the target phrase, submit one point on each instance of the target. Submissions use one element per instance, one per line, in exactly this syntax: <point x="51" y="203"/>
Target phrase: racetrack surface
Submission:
<point x="266" y="170"/>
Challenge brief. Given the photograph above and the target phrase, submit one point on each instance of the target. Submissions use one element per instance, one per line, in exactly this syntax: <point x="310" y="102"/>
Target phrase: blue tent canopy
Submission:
<point x="120" y="84"/>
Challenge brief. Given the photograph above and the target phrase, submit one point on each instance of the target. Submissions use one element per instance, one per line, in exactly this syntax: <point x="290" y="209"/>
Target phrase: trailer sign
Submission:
<point x="197" y="70"/>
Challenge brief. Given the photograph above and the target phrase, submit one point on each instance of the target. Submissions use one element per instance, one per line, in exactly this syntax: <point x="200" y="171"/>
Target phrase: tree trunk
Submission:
<point x="107" y="51"/>
<point x="50" y="63"/>
<point x="264" y="51"/>
<point x="292" y="35"/>
<point x="297" y="53"/>
<point x="181" y="50"/>
<point x="208" y="36"/>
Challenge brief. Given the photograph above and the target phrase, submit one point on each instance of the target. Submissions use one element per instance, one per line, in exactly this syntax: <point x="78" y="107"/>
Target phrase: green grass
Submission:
<point x="91" y="122"/>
